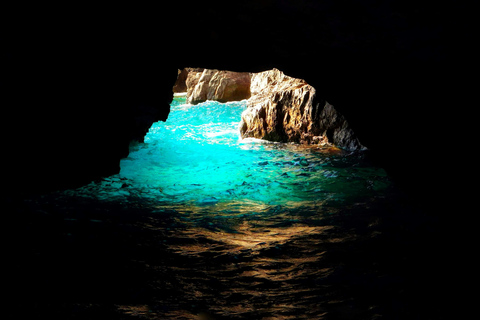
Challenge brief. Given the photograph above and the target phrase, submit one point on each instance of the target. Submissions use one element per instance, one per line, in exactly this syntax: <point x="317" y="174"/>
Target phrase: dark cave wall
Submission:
<point x="73" y="106"/>
<point x="79" y="90"/>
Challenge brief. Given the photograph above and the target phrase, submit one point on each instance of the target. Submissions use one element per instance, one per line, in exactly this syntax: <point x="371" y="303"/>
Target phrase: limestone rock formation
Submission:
<point x="218" y="85"/>
<point x="285" y="109"/>
<point x="280" y="108"/>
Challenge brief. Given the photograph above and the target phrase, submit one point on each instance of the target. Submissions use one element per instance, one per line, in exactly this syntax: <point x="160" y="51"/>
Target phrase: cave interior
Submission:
<point x="79" y="87"/>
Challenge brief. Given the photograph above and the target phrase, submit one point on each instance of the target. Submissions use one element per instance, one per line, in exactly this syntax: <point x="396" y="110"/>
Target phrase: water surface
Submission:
<point x="200" y="224"/>
<point x="196" y="158"/>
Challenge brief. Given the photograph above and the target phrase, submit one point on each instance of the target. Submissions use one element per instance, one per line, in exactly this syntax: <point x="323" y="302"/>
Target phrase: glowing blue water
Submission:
<point x="197" y="159"/>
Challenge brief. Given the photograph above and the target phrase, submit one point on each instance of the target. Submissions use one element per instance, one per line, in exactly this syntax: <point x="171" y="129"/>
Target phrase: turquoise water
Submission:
<point x="197" y="157"/>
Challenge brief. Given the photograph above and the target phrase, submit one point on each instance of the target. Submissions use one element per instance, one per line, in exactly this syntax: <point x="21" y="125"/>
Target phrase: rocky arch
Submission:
<point x="280" y="108"/>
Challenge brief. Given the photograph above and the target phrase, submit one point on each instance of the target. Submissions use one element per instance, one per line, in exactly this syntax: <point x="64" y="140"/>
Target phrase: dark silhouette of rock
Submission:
<point x="181" y="82"/>
<point x="335" y="128"/>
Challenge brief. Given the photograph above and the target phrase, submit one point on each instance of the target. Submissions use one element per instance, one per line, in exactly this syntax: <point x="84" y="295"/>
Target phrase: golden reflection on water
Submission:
<point x="247" y="235"/>
<point x="243" y="259"/>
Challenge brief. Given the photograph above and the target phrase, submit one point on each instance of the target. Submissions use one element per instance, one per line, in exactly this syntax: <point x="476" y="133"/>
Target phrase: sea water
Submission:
<point x="200" y="221"/>
<point x="198" y="158"/>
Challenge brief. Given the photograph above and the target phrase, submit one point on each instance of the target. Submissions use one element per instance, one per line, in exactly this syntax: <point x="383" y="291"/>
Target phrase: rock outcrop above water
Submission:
<point x="286" y="109"/>
<point x="218" y="85"/>
<point x="280" y="108"/>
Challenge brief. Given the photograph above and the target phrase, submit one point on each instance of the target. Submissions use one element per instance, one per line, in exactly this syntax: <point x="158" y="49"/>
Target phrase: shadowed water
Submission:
<point x="200" y="224"/>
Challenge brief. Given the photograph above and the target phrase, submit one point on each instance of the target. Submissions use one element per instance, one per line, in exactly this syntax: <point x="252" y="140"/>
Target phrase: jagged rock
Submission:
<point x="280" y="108"/>
<point x="218" y="85"/>
<point x="337" y="130"/>
<point x="181" y="85"/>
<point x="276" y="110"/>
<point x="285" y="109"/>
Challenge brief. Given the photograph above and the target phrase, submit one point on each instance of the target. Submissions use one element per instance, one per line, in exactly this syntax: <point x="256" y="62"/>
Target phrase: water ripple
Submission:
<point x="202" y="225"/>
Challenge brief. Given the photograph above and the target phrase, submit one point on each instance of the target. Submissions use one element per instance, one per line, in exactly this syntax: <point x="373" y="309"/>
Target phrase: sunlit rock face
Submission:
<point x="285" y="109"/>
<point x="280" y="108"/>
<point x="218" y="85"/>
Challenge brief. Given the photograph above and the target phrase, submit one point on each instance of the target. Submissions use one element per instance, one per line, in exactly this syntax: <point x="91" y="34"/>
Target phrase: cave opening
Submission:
<point x="197" y="158"/>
